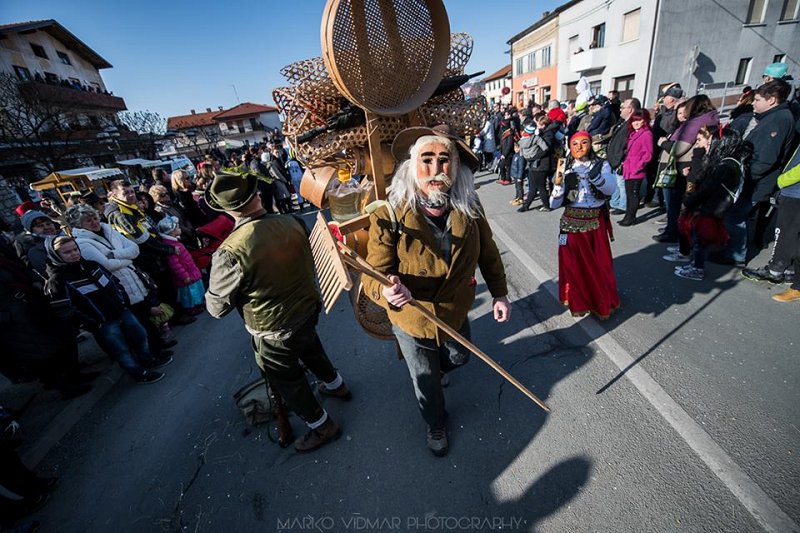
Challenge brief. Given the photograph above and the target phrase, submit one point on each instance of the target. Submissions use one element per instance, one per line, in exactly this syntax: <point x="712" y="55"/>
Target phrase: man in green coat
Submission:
<point x="264" y="269"/>
<point x="428" y="241"/>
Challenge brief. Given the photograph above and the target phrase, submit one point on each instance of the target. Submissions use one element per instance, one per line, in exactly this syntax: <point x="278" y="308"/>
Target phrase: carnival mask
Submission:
<point x="433" y="170"/>
<point x="579" y="147"/>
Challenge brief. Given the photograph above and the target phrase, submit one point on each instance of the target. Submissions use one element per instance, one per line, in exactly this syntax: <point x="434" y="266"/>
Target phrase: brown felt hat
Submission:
<point x="406" y="138"/>
<point x="230" y="192"/>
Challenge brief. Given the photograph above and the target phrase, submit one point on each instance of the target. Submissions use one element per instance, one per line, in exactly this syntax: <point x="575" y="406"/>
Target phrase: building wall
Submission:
<point x="493" y="91"/>
<point x="616" y="60"/>
<point x="16" y="50"/>
<point x="722" y="38"/>
<point x="535" y="83"/>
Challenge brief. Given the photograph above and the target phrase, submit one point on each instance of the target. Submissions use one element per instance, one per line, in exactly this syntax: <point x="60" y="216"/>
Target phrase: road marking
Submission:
<point x="765" y="511"/>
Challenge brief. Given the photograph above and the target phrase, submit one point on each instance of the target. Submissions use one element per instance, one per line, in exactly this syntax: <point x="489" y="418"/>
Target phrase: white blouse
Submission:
<point x="606" y="182"/>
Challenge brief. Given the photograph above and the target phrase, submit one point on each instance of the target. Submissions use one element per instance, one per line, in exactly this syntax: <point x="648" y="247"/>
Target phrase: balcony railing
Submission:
<point x="594" y="58"/>
<point x="68" y="96"/>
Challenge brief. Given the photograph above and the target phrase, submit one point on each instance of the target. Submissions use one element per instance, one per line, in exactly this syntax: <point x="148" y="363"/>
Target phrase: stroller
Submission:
<point x="211" y="236"/>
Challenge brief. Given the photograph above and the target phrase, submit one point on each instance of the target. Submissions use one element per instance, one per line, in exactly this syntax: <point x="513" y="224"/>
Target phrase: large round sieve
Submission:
<point x="387" y="56"/>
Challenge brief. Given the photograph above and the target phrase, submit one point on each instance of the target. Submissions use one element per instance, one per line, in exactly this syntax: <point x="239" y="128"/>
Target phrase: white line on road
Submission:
<point x="755" y="500"/>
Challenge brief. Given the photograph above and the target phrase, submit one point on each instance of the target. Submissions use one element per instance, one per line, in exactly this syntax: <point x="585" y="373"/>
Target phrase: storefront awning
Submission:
<point x="69" y="176"/>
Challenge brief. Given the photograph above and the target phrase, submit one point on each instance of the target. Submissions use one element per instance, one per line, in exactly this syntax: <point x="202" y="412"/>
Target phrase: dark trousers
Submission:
<point x="787" y="237"/>
<point x="426" y="362"/>
<point x="142" y="313"/>
<point x="281" y="363"/>
<point x="505" y="166"/>
<point x="537" y="181"/>
<point x="632" y="188"/>
<point x="674" y="199"/>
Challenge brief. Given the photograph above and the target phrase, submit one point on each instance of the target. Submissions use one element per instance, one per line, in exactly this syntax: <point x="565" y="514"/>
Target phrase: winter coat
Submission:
<point x="133" y="224"/>
<point x="187" y="230"/>
<point x="684" y="138"/>
<point x="601" y="122"/>
<point x="709" y="194"/>
<point x="541" y="144"/>
<point x="517" y="170"/>
<point x="639" y="152"/>
<point x="29" y="333"/>
<point x="487" y="134"/>
<point x="30" y="248"/>
<point x="188" y="205"/>
<point x="408" y="249"/>
<point x="181" y="265"/>
<point x="115" y="253"/>
<point x="83" y="292"/>
<point x="772" y="141"/>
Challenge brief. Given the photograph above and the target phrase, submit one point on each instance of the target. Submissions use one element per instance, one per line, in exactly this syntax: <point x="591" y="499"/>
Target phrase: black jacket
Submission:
<point x="617" y="144"/>
<point x="710" y="197"/>
<point x="772" y="143"/>
<point x="601" y="122"/>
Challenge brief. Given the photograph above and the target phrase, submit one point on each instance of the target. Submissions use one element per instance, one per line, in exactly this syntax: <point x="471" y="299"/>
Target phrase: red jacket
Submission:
<point x="182" y="265"/>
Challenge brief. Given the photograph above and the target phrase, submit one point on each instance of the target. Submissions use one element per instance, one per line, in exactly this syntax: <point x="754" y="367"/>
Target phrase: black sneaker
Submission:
<point x="437" y="441"/>
<point x="149" y="376"/>
<point x="763" y="274"/>
<point x="169" y="344"/>
<point x="158" y="362"/>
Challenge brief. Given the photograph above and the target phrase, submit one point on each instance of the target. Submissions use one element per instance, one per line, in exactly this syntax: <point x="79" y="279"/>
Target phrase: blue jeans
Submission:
<point x="426" y="362"/>
<point x="619" y="199"/>
<point x="736" y="221"/>
<point x="117" y="337"/>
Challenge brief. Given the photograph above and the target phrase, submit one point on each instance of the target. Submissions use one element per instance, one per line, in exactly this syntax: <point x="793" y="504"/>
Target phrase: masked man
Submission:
<point x="586" y="281"/>
<point x="265" y="270"/>
<point x="428" y="240"/>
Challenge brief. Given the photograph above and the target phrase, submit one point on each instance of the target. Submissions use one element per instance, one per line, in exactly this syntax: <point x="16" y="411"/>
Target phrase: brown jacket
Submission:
<point x="410" y="252"/>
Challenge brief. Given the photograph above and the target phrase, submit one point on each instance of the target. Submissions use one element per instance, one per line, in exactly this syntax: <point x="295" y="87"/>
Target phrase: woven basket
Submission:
<point x="369" y="315"/>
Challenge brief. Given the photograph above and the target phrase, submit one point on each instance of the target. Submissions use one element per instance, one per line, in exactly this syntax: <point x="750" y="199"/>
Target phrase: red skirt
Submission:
<point x="710" y="230"/>
<point x="586" y="280"/>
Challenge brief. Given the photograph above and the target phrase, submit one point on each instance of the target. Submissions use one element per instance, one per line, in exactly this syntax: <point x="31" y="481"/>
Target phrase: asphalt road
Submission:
<point x="700" y="434"/>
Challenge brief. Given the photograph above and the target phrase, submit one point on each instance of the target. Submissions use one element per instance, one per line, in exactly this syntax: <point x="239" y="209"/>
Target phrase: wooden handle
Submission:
<point x="360" y="264"/>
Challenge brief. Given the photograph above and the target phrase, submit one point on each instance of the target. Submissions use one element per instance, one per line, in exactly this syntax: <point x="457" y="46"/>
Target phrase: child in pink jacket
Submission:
<point x="185" y="273"/>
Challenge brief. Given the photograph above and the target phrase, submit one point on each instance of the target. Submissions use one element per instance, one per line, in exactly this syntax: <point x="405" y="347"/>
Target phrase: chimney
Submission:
<point x="208" y="110"/>
<point x="193" y="112"/>
<point x="544" y="15"/>
<point x="220" y="108"/>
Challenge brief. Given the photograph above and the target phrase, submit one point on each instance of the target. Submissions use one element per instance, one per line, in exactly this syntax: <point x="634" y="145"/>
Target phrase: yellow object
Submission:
<point x="344" y="174"/>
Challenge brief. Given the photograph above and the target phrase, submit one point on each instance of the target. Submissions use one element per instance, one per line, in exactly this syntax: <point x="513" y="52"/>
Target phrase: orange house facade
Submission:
<point x="534" y="64"/>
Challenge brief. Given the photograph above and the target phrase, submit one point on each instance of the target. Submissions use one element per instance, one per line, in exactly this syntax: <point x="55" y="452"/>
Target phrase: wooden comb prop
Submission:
<point x="331" y="271"/>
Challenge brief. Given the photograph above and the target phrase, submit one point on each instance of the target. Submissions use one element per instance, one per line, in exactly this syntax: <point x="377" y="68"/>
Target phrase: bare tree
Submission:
<point x="150" y="126"/>
<point x="37" y="128"/>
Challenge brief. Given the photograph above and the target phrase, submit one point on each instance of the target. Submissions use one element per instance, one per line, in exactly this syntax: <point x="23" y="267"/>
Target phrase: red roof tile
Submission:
<point x="502" y="73"/>
<point x="243" y="110"/>
<point x="192" y="121"/>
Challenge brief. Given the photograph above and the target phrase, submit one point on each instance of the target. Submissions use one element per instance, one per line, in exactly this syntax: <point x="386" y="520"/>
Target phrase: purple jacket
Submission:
<point x="639" y="152"/>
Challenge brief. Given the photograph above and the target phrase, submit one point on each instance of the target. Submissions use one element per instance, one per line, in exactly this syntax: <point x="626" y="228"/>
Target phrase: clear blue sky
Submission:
<point x="171" y="56"/>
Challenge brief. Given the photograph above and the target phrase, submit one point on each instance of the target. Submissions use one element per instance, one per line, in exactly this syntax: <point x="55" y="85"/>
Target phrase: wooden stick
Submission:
<point x="360" y="264"/>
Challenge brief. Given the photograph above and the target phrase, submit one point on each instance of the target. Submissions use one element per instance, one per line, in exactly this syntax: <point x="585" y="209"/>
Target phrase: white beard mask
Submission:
<point x="436" y="197"/>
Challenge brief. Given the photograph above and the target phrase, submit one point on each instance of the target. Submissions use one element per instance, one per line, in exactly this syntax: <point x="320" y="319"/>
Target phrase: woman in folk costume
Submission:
<point x="586" y="281"/>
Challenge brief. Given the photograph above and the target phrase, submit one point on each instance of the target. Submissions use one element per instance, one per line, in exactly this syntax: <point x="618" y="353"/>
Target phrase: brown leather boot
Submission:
<point x="341" y="392"/>
<point x="316" y="438"/>
<point x="789" y="295"/>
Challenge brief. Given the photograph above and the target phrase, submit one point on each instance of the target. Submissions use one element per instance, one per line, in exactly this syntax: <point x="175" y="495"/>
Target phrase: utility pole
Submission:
<point x="236" y="93"/>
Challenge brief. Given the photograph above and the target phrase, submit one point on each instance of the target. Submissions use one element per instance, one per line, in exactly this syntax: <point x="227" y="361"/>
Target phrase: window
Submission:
<point x="598" y="36"/>
<point x="573" y="46"/>
<point x="789" y="11"/>
<point x="49" y="77"/>
<point x="518" y="66"/>
<point x="624" y="85"/>
<point x="743" y="72"/>
<point x="545" y="95"/>
<point x="779" y="58"/>
<point x="595" y="86"/>
<point x="755" y="15"/>
<point x="531" y="63"/>
<point x="630" y="25"/>
<point x="64" y="58"/>
<point x="38" y="51"/>
<point x="546" y="56"/>
<point x="22" y="73"/>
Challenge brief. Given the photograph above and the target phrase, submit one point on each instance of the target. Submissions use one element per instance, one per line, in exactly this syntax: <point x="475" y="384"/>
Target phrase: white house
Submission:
<point x="494" y="85"/>
<point x="607" y="42"/>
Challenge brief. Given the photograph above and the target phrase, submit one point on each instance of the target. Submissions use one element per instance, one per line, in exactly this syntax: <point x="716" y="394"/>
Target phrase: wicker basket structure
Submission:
<point x="311" y="98"/>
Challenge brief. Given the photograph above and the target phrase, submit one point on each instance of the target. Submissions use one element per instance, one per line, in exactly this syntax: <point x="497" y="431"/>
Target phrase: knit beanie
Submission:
<point x="30" y="217"/>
